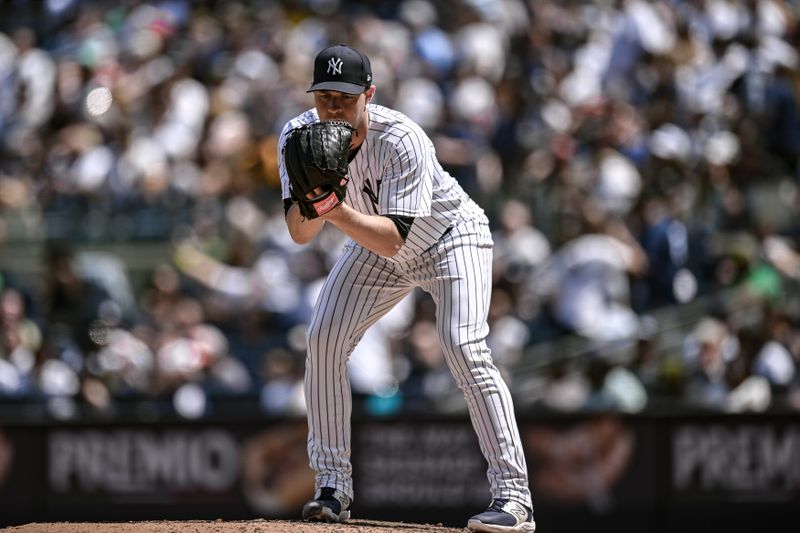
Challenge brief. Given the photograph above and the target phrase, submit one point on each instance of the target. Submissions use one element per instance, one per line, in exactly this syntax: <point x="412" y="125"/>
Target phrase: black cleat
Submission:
<point x="330" y="506"/>
<point x="503" y="516"/>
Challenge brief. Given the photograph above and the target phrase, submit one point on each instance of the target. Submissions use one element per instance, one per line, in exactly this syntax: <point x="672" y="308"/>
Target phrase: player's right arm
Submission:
<point x="376" y="233"/>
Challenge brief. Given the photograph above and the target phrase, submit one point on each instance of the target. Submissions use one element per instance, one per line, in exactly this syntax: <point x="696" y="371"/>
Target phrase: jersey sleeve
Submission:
<point x="407" y="188"/>
<point x="285" y="190"/>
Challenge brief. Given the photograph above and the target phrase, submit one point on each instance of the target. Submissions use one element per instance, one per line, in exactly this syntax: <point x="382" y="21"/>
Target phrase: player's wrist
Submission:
<point x="338" y="213"/>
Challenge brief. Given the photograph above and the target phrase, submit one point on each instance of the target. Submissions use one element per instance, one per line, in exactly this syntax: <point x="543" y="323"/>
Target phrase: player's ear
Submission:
<point x="370" y="93"/>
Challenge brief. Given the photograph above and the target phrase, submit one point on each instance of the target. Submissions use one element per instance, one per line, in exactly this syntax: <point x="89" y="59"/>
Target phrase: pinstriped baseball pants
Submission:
<point x="360" y="289"/>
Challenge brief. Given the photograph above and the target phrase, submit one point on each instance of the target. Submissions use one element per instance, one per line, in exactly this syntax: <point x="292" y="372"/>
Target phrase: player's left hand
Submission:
<point x="316" y="158"/>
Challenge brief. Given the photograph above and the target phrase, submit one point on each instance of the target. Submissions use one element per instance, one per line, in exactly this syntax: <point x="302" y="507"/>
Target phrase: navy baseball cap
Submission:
<point x="341" y="68"/>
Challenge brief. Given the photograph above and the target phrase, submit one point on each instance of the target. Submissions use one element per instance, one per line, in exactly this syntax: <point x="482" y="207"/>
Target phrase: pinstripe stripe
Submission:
<point x="397" y="167"/>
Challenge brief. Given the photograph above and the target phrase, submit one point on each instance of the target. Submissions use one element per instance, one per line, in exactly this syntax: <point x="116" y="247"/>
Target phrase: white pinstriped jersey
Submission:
<point x="395" y="172"/>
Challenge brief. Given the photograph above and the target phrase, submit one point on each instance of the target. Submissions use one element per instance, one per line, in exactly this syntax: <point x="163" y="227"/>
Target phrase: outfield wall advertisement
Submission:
<point x="633" y="473"/>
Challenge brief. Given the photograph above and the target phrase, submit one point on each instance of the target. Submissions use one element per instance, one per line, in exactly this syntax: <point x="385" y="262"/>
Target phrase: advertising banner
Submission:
<point x="623" y="473"/>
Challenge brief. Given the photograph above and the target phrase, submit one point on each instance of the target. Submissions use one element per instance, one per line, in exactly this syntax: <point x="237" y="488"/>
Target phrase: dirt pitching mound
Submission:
<point x="224" y="526"/>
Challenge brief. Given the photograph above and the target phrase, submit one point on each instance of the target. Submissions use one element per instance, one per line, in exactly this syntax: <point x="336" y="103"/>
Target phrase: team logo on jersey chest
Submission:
<point x="373" y="195"/>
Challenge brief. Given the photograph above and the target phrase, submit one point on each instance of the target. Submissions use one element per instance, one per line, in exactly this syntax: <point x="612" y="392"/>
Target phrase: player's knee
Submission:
<point x="480" y="378"/>
<point x="473" y="354"/>
<point x="325" y="340"/>
<point x="315" y="338"/>
<point x="475" y="371"/>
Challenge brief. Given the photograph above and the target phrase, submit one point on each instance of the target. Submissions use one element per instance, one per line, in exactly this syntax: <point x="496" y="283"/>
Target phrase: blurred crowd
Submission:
<point x="633" y="157"/>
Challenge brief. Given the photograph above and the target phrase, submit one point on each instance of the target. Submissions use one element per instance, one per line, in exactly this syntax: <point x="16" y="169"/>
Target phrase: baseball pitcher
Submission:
<point x="373" y="173"/>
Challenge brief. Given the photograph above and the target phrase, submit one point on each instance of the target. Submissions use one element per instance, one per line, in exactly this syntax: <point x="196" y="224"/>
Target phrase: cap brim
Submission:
<point x="342" y="87"/>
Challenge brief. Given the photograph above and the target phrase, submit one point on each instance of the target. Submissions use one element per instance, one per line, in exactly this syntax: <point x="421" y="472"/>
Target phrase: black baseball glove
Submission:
<point x="316" y="162"/>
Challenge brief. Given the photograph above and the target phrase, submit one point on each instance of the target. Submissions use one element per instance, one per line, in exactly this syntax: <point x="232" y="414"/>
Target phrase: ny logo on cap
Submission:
<point x="334" y="66"/>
